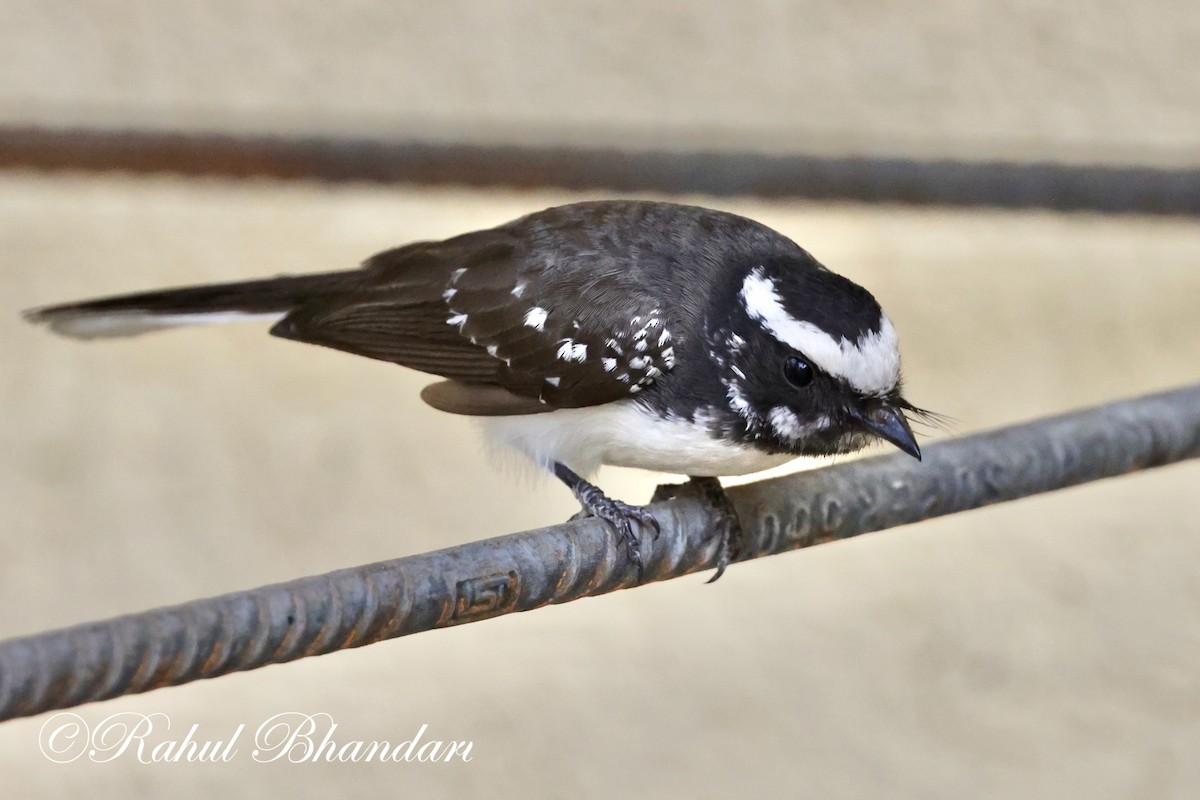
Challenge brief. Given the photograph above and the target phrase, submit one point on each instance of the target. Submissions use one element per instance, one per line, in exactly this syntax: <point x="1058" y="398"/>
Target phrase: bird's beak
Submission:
<point x="889" y="423"/>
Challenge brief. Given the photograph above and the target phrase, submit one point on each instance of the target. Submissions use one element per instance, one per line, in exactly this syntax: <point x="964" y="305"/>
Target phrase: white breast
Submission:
<point x="625" y="434"/>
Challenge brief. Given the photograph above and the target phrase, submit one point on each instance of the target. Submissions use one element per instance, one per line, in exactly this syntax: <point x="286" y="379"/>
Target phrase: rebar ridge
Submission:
<point x="522" y="571"/>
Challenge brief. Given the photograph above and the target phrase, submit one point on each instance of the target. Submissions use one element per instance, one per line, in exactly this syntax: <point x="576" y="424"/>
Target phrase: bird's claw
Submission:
<point x="730" y="533"/>
<point x="622" y="517"/>
<point x="728" y="527"/>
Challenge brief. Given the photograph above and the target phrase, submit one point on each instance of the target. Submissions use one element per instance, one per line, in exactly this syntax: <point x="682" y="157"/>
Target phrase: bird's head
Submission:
<point x="809" y="361"/>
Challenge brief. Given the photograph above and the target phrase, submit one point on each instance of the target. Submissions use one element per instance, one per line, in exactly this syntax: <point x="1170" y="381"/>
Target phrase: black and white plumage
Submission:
<point x="631" y="333"/>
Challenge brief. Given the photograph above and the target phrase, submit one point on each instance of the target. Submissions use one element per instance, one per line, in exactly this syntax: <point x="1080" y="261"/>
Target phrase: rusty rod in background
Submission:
<point x="523" y="571"/>
<point x="1058" y="186"/>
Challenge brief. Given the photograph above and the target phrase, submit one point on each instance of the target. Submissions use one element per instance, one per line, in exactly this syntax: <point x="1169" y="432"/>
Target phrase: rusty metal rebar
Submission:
<point x="1110" y="188"/>
<point x="523" y="571"/>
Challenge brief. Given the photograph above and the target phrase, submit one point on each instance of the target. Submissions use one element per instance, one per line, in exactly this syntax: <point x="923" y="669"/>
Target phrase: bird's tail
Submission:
<point x="131" y="314"/>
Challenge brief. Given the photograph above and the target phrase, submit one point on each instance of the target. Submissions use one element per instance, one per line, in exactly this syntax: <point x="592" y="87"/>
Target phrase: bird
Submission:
<point x="630" y="333"/>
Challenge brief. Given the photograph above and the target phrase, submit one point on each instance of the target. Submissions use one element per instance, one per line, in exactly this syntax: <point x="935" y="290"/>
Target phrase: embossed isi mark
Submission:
<point x="484" y="596"/>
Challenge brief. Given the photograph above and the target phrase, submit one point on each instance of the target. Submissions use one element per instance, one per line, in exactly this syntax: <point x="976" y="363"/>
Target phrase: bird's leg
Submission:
<point x="729" y="528"/>
<point x="620" y="516"/>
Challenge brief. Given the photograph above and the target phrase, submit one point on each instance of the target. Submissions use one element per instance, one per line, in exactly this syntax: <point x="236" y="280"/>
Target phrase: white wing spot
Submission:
<point x="639" y="362"/>
<point x="610" y="364"/>
<point x="457" y="319"/>
<point x="492" y="349"/>
<point x="554" y="381"/>
<point x="640" y="345"/>
<point x="446" y="295"/>
<point x="536" y="318"/>
<point x="668" y="356"/>
<point x="518" y="290"/>
<point x="458" y="273"/>
<point x="569" y="350"/>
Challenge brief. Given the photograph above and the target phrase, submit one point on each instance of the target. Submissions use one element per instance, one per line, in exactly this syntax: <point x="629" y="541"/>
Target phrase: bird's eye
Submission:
<point x="798" y="372"/>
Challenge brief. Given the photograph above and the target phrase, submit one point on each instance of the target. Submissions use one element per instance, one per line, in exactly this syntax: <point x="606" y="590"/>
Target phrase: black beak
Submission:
<point x="890" y="424"/>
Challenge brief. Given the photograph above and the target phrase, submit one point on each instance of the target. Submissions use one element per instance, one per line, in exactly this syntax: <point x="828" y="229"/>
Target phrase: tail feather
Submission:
<point x="132" y="314"/>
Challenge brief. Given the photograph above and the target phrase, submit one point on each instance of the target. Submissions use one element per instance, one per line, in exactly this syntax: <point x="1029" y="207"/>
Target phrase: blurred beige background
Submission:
<point x="1020" y="79"/>
<point x="1045" y="648"/>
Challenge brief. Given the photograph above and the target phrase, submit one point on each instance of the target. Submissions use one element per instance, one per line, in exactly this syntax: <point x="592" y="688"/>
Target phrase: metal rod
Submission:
<point x="523" y="571"/>
<point x="1063" y="187"/>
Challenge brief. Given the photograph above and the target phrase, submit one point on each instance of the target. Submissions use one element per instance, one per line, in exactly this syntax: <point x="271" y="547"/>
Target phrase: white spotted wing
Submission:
<point x="514" y="333"/>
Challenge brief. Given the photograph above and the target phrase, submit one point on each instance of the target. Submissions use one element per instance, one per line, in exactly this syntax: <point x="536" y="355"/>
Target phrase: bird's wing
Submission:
<point x="414" y="334"/>
<point x="515" y="335"/>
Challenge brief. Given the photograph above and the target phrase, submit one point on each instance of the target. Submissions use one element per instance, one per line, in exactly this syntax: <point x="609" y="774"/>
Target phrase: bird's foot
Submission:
<point x="728" y="528"/>
<point x="620" y="516"/>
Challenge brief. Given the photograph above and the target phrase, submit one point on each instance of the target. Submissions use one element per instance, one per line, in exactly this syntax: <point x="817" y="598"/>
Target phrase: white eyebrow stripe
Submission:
<point x="871" y="364"/>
